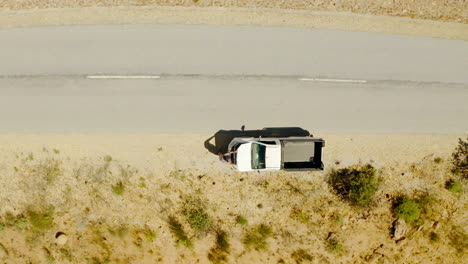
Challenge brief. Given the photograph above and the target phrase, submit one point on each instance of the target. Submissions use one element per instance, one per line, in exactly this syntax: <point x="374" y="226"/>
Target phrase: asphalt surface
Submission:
<point x="223" y="50"/>
<point x="202" y="104"/>
<point x="215" y="78"/>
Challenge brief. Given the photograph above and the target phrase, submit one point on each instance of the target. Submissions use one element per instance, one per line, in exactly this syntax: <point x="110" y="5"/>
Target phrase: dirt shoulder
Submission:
<point x="224" y="16"/>
<point x="144" y="198"/>
<point x="445" y="10"/>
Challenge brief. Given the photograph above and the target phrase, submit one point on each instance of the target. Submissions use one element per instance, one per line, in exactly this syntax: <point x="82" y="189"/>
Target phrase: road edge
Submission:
<point x="233" y="16"/>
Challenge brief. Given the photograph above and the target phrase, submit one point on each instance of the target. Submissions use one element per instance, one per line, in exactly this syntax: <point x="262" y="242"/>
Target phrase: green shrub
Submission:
<point x="299" y="215"/>
<point x="438" y="160"/>
<point x="458" y="239"/>
<point x="256" y="237"/>
<point x="333" y="246"/>
<point x="194" y="211"/>
<point x="453" y="186"/>
<point x="177" y="230"/>
<point x="41" y="221"/>
<point x="19" y="221"/>
<point x="219" y="252"/>
<point x="107" y="158"/>
<point x="434" y="237"/>
<point x="102" y="244"/>
<point x="425" y="201"/>
<point x="407" y="209"/>
<point x="241" y="220"/>
<point x="416" y="210"/>
<point x="119" y="232"/>
<point x="338" y="219"/>
<point x="222" y="241"/>
<point x="300" y="256"/>
<point x="149" y="234"/>
<point x="142" y="183"/>
<point x="48" y="255"/>
<point x="356" y="184"/>
<point x="118" y="188"/>
<point x="460" y="158"/>
<point x="66" y="254"/>
<point x="2" y="227"/>
<point x="48" y="169"/>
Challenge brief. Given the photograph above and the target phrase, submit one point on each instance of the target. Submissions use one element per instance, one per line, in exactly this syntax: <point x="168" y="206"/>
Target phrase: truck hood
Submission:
<point x="244" y="158"/>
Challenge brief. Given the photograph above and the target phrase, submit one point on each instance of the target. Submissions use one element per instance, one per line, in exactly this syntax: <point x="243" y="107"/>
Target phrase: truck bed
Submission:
<point x="302" y="154"/>
<point x="298" y="151"/>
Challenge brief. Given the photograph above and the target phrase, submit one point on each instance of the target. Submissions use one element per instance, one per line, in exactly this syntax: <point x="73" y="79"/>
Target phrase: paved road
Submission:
<point x="208" y="50"/>
<point x="202" y="104"/>
<point x="413" y="84"/>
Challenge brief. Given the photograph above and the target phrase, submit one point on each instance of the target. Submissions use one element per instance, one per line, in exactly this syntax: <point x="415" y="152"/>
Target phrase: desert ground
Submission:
<point x="164" y="198"/>
<point x="443" y="10"/>
<point x="438" y="19"/>
<point x="148" y="198"/>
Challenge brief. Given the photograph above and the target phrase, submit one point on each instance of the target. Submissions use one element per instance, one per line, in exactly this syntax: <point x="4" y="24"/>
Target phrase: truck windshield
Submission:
<point x="258" y="156"/>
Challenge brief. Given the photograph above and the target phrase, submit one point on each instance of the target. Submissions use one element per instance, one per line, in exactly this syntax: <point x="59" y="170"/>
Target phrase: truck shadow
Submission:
<point x="218" y="143"/>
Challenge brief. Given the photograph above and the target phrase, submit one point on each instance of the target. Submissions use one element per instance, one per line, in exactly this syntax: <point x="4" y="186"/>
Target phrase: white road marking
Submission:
<point x="123" y="77"/>
<point x="332" y="80"/>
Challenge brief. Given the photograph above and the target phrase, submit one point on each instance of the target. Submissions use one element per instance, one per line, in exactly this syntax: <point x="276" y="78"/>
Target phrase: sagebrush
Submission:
<point x="194" y="211"/>
<point x="356" y="184"/>
<point x="460" y="158"/>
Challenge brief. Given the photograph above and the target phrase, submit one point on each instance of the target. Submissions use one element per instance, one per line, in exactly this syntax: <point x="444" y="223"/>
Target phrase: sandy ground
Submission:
<point x="233" y="16"/>
<point x="75" y="174"/>
<point x="442" y="10"/>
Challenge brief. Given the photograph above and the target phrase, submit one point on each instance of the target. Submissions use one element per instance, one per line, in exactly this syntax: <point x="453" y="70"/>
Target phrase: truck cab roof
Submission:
<point x="258" y="156"/>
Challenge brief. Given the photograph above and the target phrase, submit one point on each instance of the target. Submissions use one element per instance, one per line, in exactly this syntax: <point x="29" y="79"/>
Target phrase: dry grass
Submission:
<point x="459" y="240"/>
<point x="179" y="233"/>
<point x="334" y="246"/>
<point x="221" y="222"/>
<point x="220" y="251"/>
<point x="241" y="220"/>
<point x="41" y="220"/>
<point x="301" y="256"/>
<point x="256" y="237"/>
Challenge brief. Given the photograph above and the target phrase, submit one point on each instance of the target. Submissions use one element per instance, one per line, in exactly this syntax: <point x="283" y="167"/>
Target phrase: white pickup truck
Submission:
<point x="275" y="153"/>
